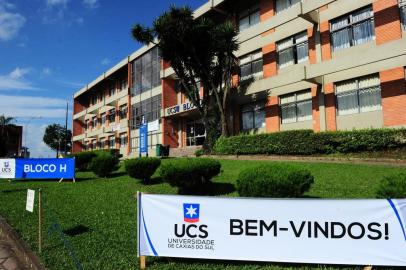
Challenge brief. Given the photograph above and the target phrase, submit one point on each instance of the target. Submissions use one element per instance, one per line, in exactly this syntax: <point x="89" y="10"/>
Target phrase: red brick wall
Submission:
<point x="77" y="147"/>
<point x="77" y="106"/>
<point x="387" y="21"/>
<point x="267" y="9"/>
<point x="77" y="127"/>
<point x="330" y="105"/>
<point x="169" y="95"/>
<point x="393" y="96"/>
<point x="272" y="114"/>
<point x="269" y="60"/>
<point x="170" y="132"/>
<point x="312" y="44"/>
<point x="325" y="41"/>
<point x="315" y="109"/>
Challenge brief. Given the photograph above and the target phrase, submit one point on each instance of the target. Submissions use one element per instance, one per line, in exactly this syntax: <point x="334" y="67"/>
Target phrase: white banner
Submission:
<point x="356" y="232"/>
<point x="7" y="168"/>
<point x="30" y="200"/>
<point x="153" y="126"/>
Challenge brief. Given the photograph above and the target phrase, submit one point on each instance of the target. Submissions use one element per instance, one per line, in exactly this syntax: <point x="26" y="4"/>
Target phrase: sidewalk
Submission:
<point x="15" y="253"/>
<point x="317" y="159"/>
<point x="8" y="258"/>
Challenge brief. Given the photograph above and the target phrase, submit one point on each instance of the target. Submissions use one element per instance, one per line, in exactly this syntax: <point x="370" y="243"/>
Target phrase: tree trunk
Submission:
<point x="224" y="122"/>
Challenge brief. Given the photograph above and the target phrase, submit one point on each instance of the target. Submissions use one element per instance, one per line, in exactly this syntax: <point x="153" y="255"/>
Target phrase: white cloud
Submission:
<point x="46" y="71"/>
<point x="56" y="2"/>
<point x="105" y="62"/>
<point x="32" y="106"/>
<point x="10" y="21"/>
<point x="15" y="80"/>
<point x="34" y="140"/>
<point x="91" y="3"/>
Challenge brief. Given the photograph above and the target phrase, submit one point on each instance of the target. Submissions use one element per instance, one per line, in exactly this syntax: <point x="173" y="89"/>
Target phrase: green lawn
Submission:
<point x="99" y="215"/>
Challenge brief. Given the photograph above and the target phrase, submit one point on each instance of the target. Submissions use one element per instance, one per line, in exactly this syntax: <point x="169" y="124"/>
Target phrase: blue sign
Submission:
<point x="45" y="168"/>
<point x="144" y="138"/>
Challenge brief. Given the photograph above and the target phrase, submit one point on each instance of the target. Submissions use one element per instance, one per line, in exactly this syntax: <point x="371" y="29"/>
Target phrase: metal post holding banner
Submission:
<point x="143" y="263"/>
<point x="316" y="231"/>
<point x="40" y="217"/>
<point x="143" y="140"/>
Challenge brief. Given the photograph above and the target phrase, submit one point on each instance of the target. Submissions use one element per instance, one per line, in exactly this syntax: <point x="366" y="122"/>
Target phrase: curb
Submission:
<point x="315" y="159"/>
<point x="20" y="247"/>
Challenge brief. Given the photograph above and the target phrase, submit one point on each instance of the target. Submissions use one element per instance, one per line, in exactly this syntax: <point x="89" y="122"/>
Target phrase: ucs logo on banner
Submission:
<point x="191" y="215"/>
<point x="7" y="168"/>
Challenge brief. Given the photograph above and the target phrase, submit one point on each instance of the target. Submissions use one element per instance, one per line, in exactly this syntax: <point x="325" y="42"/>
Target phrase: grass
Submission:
<point x="99" y="215"/>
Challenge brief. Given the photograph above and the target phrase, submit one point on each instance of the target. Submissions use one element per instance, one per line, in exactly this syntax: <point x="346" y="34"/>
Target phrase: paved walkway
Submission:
<point x="8" y="259"/>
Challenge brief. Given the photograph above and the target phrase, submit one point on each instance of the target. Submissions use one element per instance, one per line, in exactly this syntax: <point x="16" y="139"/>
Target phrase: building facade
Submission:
<point x="324" y="65"/>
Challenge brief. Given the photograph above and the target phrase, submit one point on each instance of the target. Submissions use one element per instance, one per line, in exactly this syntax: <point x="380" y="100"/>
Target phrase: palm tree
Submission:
<point x="201" y="52"/>
<point x="6" y="126"/>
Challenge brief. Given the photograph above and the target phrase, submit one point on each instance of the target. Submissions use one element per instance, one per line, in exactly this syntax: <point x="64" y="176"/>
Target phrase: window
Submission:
<point x="296" y="107"/>
<point x="123" y="84"/>
<point x="103" y="119"/>
<point x="123" y="140"/>
<point x="123" y="112"/>
<point x="94" y="122"/>
<point x="293" y="50"/>
<point x="94" y="145"/>
<point x="249" y="18"/>
<point x="112" y="89"/>
<point x="112" y="142"/>
<point x="402" y="5"/>
<point x="253" y="115"/>
<point x="146" y="111"/>
<point x="353" y="29"/>
<point x="112" y="116"/>
<point x="195" y="133"/>
<point x="93" y="99"/>
<point x="282" y="5"/>
<point x="358" y="95"/>
<point x="251" y="65"/>
<point x="147" y="72"/>
<point x="102" y="143"/>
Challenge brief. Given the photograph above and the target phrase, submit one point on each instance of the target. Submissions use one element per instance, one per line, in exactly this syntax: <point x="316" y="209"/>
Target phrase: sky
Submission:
<point x="50" y="49"/>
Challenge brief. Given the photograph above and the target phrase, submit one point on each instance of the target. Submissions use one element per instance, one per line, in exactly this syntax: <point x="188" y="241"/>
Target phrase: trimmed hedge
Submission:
<point x="307" y="142"/>
<point x="274" y="180"/>
<point x="392" y="187"/>
<point x="104" y="164"/>
<point x="142" y="168"/>
<point x="190" y="175"/>
<point x="83" y="159"/>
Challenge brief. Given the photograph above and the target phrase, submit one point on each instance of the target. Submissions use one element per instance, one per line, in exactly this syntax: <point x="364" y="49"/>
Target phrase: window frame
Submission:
<point x="112" y="142"/>
<point x="280" y="11"/>
<point x="250" y="63"/>
<point x="247" y="14"/>
<point x="261" y="103"/>
<point x="350" y="26"/>
<point x="402" y="10"/>
<point x="294" y="46"/>
<point x="296" y="106"/>
<point x="111" y="116"/>
<point x="146" y="111"/>
<point x="123" y="110"/>
<point x="103" y="118"/>
<point x="357" y="90"/>
<point x="123" y="140"/>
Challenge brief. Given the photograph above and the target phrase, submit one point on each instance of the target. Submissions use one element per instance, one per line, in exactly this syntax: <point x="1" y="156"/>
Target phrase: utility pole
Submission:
<point x="66" y="128"/>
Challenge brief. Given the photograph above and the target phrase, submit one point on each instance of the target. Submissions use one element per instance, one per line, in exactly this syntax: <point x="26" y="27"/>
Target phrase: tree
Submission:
<point x="55" y="137"/>
<point x="200" y="52"/>
<point x="6" y="126"/>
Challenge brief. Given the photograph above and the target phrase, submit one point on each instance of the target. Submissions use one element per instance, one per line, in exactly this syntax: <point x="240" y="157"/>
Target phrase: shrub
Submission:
<point x="392" y="186"/>
<point x="82" y="160"/>
<point x="199" y="152"/>
<point x="104" y="164"/>
<point x="275" y="180"/>
<point x="190" y="175"/>
<point x="142" y="168"/>
<point x="306" y="142"/>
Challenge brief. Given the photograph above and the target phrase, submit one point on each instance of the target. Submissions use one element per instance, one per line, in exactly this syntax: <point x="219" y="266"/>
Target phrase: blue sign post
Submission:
<point x="144" y="139"/>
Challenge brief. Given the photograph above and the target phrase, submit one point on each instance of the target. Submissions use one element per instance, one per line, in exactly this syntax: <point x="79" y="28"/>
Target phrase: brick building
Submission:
<point x="318" y="64"/>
